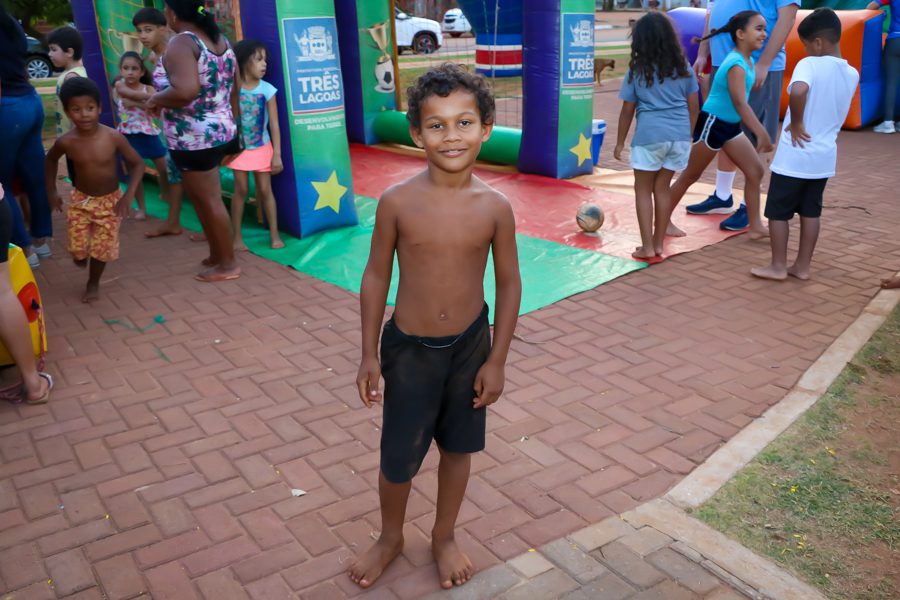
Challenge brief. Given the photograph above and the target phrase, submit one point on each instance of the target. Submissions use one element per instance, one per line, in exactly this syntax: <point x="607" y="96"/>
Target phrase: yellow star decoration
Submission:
<point x="582" y="149"/>
<point x="330" y="193"/>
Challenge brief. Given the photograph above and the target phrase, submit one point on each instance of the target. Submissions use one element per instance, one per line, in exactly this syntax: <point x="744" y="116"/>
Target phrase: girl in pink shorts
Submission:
<point x="262" y="141"/>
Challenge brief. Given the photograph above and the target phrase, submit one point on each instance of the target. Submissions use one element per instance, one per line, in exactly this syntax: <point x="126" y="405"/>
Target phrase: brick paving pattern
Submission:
<point x="165" y="461"/>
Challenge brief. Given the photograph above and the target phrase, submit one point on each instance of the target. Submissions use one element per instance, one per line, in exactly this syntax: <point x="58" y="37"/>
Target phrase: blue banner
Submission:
<point x="313" y="63"/>
<point x="577" y="49"/>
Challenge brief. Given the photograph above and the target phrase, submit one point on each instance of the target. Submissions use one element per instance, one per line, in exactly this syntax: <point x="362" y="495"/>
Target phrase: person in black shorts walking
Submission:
<point x="441" y="370"/>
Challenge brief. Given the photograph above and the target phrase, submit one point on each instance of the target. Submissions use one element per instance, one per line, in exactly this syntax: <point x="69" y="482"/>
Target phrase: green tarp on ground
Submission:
<point x="550" y="271"/>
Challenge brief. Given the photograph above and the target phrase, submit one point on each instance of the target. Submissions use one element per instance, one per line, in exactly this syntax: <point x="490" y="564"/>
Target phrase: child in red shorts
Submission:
<point x="97" y="205"/>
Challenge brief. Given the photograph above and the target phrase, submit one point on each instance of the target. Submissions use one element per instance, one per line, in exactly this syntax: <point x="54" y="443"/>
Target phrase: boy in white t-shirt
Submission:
<point x="821" y="89"/>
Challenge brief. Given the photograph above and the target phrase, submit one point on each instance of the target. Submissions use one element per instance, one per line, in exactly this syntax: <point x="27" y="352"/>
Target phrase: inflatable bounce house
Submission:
<point x="333" y="63"/>
<point x="861" y="44"/>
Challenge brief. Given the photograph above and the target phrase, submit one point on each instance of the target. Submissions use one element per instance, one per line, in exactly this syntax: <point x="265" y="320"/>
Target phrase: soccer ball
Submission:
<point x="384" y="75"/>
<point x="589" y="217"/>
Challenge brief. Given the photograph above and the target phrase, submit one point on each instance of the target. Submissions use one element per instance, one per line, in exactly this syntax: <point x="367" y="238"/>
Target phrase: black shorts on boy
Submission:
<point x="429" y="394"/>
<point x="791" y="195"/>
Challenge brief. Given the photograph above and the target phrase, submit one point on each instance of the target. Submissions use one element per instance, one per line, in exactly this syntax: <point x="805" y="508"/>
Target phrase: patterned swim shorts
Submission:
<point x="93" y="226"/>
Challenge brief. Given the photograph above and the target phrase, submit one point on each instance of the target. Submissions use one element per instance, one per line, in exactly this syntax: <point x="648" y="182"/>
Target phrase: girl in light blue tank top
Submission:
<point x="719" y="124"/>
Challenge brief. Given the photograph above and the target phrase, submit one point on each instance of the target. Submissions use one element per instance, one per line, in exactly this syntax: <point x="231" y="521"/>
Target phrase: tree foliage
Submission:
<point x="32" y="11"/>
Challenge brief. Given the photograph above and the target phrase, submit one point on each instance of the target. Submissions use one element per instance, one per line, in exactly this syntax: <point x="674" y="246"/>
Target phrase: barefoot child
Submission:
<point x="97" y="206"/>
<point x="262" y="141"/>
<point x="440" y="368"/>
<point x="136" y="125"/>
<point x="719" y="124"/>
<point x="154" y="34"/>
<point x="662" y="88"/>
<point x="821" y="89"/>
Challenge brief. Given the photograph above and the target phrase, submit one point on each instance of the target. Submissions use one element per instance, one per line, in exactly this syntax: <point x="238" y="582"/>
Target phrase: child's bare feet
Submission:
<point x="91" y="293"/>
<point x="163" y="231"/>
<point x="760" y="233"/>
<point x="769" y="272"/>
<point x="642" y="252"/>
<point x="197" y="237"/>
<point x="277" y="244"/>
<point x="673" y="231"/>
<point x="454" y="567"/>
<point x="140" y="215"/>
<point x="372" y="563"/>
<point x="80" y="262"/>
<point x="892" y="283"/>
<point x="795" y="271"/>
<point x="240" y="246"/>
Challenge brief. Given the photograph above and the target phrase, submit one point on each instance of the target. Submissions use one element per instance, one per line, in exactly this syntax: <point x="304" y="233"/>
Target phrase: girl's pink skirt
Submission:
<point x="256" y="159"/>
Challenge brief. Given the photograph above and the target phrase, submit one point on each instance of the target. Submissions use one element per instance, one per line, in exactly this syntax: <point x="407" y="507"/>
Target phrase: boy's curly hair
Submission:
<point x="75" y="87"/>
<point x="444" y="80"/>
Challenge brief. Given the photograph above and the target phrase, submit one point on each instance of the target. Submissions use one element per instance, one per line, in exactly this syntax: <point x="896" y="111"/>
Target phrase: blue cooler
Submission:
<point x="598" y="130"/>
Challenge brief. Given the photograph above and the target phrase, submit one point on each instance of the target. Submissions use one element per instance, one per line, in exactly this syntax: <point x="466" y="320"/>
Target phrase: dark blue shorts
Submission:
<point x="789" y="196"/>
<point x="150" y="147"/>
<point x="713" y="131"/>
<point x="429" y="388"/>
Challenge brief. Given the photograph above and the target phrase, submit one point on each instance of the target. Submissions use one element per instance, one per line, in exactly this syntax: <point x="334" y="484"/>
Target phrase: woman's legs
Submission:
<point x="643" y="203"/>
<point x="30" y="169"/>
<point x="241" y="189"/>
<point x="744" y="155"/>
<point x="891" y="76"/>
<point x="701" y="156"/>
<point x="266" y="199"/>
<point x="662" y="198"/>
<point x="205" y="191"/>
<point x="13" y="114"/>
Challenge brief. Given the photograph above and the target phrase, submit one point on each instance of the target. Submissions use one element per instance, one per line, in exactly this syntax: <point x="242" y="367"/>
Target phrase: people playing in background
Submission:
<point x="200" y="113"/>
<point x="703" y="63"/>
<point x="262" y="141"/>
<point x="441" y="370"/>
<point x="154" y="33"/>
<point x="891" y="61"/>
<point x="14" y="331"/>
<point x="719" y="124"/>
<point x="765" y="97"/>
<point x="22" y="153"/>
<point x="662" y="89"/>
<point x="821" y="88"/>
<point x="136" y="124"/>
<point x="97" y="205"/>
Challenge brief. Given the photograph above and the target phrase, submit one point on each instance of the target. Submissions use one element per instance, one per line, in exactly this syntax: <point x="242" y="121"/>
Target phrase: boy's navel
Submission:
<point x="442" y="316"/>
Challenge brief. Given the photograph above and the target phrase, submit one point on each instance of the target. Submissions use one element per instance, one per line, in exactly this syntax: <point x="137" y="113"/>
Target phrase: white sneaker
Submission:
<point x="43" y="251"/>
<point x="34" y="261"/>
<point x="885" y="127"/>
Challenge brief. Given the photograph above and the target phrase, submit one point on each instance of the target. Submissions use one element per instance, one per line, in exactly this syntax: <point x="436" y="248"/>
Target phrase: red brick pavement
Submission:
<point x="165" y="461"/>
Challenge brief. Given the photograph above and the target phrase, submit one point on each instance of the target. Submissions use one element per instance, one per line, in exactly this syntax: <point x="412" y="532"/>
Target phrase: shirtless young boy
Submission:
<point x="441" y="369"/>
<point x="97" y="206"/>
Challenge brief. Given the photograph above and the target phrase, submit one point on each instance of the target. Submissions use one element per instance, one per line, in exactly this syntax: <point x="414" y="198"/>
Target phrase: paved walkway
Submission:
<point x="165" y="462"/>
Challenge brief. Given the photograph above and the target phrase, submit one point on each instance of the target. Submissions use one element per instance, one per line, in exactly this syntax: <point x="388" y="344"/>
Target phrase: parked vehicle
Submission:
<point x="37" y="61"/>
<point x="422" y="36"/>
<point x="455" y="23"/>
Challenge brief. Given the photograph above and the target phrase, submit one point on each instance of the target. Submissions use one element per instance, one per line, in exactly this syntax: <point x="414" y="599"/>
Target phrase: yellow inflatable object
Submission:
<point x="26" y="289"/>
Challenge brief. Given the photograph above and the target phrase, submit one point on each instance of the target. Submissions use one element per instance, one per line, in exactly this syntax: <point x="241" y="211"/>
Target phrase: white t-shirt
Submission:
<point x="832" y="83"/>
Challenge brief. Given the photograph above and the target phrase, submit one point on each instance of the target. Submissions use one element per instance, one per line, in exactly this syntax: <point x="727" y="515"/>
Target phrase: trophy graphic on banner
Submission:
<point x="384" y="67"/>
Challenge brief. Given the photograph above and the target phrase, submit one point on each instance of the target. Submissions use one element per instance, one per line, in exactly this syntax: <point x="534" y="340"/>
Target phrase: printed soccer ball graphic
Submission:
<point x="384" y="75"/>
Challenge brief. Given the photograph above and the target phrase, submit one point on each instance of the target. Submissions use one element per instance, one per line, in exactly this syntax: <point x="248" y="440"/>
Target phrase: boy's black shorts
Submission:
<point x="791" y="195"/>
<point x="428" y="393"/>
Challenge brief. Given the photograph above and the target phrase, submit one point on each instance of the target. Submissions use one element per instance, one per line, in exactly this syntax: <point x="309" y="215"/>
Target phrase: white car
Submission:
<point x="455" y="22"/>
<point x="422" y="36"/>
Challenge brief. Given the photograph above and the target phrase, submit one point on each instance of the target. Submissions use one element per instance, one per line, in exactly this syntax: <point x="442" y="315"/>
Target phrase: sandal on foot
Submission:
<point x="46" y="395"/>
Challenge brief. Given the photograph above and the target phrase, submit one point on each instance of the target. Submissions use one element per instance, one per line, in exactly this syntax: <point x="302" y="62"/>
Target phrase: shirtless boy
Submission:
<point x="441" y="369"/>
<point x="97" y="205"/>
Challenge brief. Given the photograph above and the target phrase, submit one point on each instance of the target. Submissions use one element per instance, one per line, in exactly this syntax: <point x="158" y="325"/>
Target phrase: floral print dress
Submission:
<point x="207" y="121"/>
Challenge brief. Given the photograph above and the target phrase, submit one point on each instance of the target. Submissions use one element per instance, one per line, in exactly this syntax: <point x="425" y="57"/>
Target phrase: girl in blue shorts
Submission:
<point x="719" y="125"/>
<point x="661" y="87"/>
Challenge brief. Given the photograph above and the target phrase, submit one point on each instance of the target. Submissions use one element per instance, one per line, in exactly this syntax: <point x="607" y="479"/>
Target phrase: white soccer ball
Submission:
<point x="384" y="75"/>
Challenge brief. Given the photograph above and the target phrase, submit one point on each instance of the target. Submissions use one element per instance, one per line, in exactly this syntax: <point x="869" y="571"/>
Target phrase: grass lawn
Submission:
<point x="49" y="102"/>
<point x="823" y="500"/>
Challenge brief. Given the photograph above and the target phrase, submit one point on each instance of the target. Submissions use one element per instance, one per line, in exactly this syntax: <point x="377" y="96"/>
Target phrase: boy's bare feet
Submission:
<point x="197" y="237"/>
<point x="277" y="244"/>
<point x="642" y="252"/>
<point x="217" y="274"/>
<point x="454" y="567"/>
<point x="892" y="283"/>
<point x="140" y="215"/>
<point x="91" y="293"/>
<point x="240" y="246"/>
<point x="163" y="231"/>
<point x="794" y="271"/>
<point x="673" y="231"/>
<point x="769" y="272"/>
<point x="80" y="262"/>
<point x="372" y="563"/>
